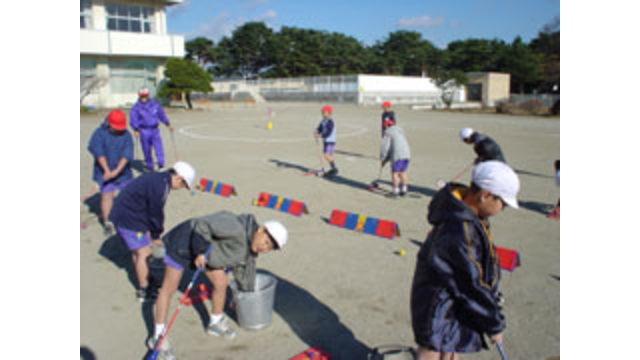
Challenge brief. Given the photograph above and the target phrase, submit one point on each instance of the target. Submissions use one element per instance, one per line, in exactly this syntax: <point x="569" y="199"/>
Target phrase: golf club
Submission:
<point x="503" y="355"/>
<point x="442" y="183"/>
<point x="374" y="184"/>
<point x="173" y="143"/>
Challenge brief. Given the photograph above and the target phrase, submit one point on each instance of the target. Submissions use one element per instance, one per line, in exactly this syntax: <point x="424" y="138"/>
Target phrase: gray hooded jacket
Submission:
<point x="229" y="236"/>
<point x="394" y="145"/>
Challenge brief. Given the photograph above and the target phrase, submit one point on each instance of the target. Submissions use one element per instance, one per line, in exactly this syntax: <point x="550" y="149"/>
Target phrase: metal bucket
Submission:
<point x="254" y="309"/>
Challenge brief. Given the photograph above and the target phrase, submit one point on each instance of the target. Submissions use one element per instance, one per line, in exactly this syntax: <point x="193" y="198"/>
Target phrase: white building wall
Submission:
<point x="102" y="46"/>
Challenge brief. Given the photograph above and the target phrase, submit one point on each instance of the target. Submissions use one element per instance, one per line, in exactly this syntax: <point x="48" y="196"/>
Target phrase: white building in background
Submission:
<point x="123" y="46"/>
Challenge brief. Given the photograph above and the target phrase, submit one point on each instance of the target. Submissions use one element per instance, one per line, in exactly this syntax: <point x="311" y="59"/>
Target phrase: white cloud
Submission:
<point x="223" y="25"/>
<point x="421" y="22"/>
<point x="267" y="17"/>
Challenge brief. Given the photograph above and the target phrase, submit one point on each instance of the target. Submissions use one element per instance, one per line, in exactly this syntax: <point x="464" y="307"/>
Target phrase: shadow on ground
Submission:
<point x="86" y="353"/>
<point x="315" y="323"/>
<point x="535" y="206"/>
<point x="528" y="173"/>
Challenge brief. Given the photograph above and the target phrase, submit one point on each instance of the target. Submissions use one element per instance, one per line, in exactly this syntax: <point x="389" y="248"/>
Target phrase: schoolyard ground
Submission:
<point x="339" y="290"/>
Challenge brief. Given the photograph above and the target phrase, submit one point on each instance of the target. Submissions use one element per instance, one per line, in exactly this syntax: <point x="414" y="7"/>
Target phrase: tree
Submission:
<point x="547" y="45"/>
<point x="201" y="50"/>
<point x="476" y="55"/>
<point x="523" y="64"/>
<point x="406" y="53"/>
<point x="245" y="52"/>
<point x="184" y="77"/>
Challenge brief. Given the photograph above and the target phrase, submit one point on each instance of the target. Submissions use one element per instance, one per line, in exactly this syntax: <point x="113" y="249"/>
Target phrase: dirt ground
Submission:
<point x="339" y="290"/>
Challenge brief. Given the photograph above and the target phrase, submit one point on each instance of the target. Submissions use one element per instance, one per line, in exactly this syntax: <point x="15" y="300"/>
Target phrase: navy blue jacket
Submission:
<point x="486" y="148"/>
<point x="388" y="115"/>
<point x="454" y="296"/>
<point x="113" y="147"/>
<point x="140" y="205"/>
<point x="327" y="130"/>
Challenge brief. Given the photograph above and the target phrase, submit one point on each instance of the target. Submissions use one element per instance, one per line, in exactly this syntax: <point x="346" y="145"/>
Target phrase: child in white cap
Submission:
<point x="454" y="297"/>
<point x="231" y="241"/>
<point x="486" y="148"/>
<point x="138" y="215"/>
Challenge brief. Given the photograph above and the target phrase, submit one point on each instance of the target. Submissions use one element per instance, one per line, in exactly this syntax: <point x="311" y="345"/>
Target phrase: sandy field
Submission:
<point x="339" y="290"/>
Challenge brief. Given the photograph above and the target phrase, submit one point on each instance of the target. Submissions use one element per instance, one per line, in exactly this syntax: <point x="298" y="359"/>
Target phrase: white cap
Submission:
<point x="465" y="133"/>
<point x="278" y="232"/>
<point x="186" y="171"/>
<point x="499" y="179"/>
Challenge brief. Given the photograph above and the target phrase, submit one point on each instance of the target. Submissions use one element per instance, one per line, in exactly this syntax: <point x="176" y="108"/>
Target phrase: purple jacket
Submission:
<point x="147" y="116"/>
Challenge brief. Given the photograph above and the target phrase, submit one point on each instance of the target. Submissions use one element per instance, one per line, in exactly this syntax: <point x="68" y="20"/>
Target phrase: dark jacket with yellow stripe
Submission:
<point x="454" y="297"/>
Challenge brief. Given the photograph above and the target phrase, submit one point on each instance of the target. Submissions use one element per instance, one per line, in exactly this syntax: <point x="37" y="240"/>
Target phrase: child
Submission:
<point x="387" y="115"/>
<point x="485" y="147"/>
<point x="395" y="147"/>
<point x="146" y="116"/>
<point x="327" y="130"/>
<point x="138" y="215"/>
<point x="555" y="212"/>
<point x="235" y="241"/>
<point x="112" y="148"/>
<point x="454" y="296"/>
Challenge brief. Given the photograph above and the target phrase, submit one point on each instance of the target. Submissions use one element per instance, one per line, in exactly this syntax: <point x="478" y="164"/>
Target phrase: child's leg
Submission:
<point x="395" y="178"/>
<point x="426" y="354"/>
<point x="404" y="180"/>
<point x="106" y="204"/>
<point x="170" y="284"/>
<point x="220" y="282"/>
<point x="140" y="263"/>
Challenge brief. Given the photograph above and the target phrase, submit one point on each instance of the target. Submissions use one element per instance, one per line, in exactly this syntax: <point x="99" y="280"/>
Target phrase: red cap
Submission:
<point x="117" y="120"/>
<point x="386" y="104"/>
<point x="144" y="92"/>
<point x="327" y="108"/>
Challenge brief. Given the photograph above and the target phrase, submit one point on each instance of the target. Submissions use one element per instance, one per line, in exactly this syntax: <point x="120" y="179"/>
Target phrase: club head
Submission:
<point x="440" y="184"/>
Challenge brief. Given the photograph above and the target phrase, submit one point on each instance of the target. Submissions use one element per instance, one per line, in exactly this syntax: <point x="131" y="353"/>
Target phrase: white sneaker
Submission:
<point x="221" y="328"/>
<point x="165" y="352"/>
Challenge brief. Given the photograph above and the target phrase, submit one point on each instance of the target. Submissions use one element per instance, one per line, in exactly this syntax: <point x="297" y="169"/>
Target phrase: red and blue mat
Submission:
<point x="216" y="187"/>
<point x="280" y="203"/>
<point x="366" y="224"/>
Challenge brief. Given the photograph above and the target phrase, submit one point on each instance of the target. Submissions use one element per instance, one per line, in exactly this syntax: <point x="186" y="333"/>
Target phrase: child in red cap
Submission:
<point x="387" y="115"/>
<point x="327" y="130"/>
<point x="112" y="147"/>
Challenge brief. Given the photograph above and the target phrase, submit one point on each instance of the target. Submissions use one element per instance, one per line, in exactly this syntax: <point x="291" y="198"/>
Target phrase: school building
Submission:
<point x="123" y="47"/>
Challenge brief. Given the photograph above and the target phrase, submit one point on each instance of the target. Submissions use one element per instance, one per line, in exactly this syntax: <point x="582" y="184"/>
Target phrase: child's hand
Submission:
<point x="497" y="338"/>
<point x="200" y="262"/>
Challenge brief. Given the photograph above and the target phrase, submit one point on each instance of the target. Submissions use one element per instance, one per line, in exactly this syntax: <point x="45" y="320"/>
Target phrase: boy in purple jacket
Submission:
<point x="146" y="116"/>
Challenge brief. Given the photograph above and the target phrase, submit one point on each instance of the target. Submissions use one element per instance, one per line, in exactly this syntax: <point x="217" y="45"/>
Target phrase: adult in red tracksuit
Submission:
<point x="146" y="115"/>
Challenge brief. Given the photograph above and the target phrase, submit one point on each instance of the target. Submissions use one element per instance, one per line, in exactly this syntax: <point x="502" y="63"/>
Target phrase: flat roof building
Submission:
<point x="123" y="46"/>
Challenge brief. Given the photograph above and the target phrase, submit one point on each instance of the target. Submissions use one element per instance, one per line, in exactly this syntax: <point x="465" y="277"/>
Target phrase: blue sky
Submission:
<point x="439" y="21"/>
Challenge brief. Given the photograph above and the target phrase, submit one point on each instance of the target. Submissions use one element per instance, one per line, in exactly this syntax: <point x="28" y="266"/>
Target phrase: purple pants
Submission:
<point x="150" y="138"/>
<point x="328" y="148"/>
<point x="111" y="186"/>
<point x="400" y="166"/>
<point x="133" y="239"/>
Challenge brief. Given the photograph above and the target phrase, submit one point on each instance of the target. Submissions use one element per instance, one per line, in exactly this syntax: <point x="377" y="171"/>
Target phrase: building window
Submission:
<point x="131" y="18"/>
<point x="127" y="77"/>
<point x="85" y="14"/>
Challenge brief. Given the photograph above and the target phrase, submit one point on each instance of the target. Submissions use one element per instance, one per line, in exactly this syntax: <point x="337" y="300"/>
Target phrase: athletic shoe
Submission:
<point x="109" y="229"/>
<point x="221" y="328"/>
<point x="555" y="214"/>
<point x="141" y="294"/>
<point x="403" y="193"/>
<point x="331" y="173"/>
<point x="165" y="352"/>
